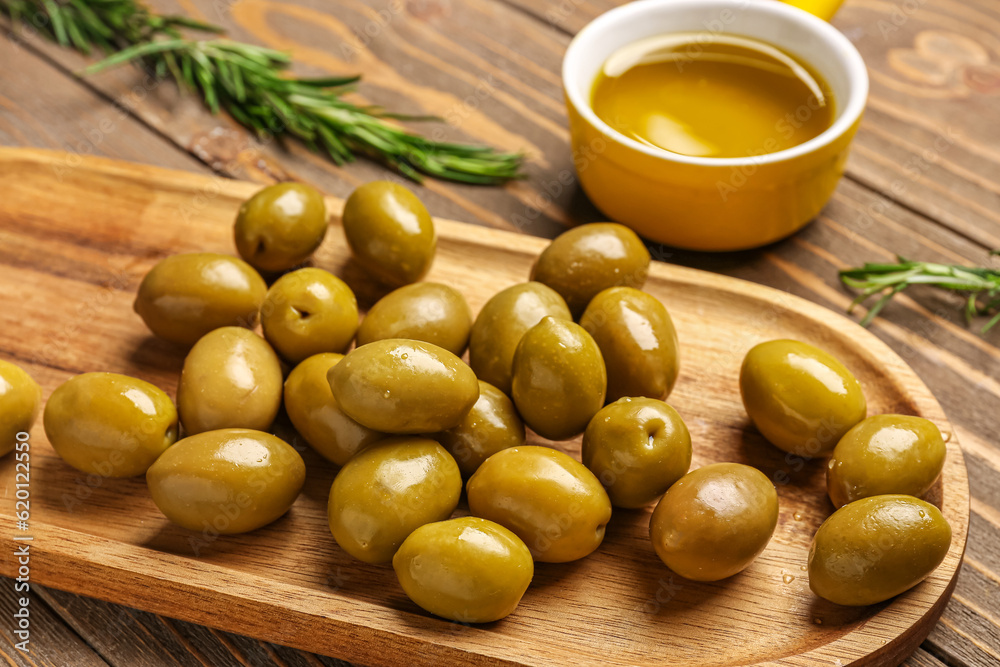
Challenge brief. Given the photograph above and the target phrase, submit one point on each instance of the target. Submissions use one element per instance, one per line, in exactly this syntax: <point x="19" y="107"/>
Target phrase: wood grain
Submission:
<point x="290" y="584"/>
<point x="142" y="639"/>
<point x="40" y="106"/>
<point x="50" y="643"/>
<point x="880" y="209"/>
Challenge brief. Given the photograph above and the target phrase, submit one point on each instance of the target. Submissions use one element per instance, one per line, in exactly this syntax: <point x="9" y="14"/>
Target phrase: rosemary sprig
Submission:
<point x="980" y="285"/>
<point x="251" y="83"/>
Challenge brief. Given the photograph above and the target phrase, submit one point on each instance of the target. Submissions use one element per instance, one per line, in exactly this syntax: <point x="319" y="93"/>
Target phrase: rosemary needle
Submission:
<point x="981" y="286"/>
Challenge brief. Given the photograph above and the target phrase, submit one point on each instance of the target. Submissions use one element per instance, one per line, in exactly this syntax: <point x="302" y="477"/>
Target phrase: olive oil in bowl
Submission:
<point x="707" y="95"/>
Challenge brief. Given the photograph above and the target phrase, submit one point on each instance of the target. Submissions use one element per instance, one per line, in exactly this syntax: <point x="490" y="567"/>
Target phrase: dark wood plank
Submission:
<point x="51" y="643"/>
<point x="41" y="106"/>
<point x="922" y="658"/>
<point x="142" y="639"/>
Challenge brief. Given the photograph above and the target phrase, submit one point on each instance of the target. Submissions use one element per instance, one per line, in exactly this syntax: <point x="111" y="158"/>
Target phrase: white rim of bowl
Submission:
<point x="855" y="65"/>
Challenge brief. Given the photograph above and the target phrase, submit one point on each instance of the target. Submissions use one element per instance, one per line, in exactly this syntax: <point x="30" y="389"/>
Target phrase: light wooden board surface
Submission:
<point x="70" y="269"/>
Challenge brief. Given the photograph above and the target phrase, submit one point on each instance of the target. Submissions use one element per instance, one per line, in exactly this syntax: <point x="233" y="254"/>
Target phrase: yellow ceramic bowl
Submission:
<point x="712" y="203"/>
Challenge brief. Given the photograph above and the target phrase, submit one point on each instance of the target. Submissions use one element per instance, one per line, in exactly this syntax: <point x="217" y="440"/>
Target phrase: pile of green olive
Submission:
<point x="579" y="349"/>
<point x="882" y="540"/>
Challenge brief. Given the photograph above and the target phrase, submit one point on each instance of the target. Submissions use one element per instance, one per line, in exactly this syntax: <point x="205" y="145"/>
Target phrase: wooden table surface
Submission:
<point x="923" y="181"/>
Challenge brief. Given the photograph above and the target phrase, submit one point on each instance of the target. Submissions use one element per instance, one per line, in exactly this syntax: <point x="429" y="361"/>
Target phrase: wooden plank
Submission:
<point x="142" y="639"/>
<point x="111" y="542"/>
<point x="51" y="643"/>
<point x="41" y="106"/>
<point x="922" y="658"/>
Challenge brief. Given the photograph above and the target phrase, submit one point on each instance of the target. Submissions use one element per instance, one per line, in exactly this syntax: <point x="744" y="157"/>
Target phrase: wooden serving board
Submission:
<point x="76" y="237"/>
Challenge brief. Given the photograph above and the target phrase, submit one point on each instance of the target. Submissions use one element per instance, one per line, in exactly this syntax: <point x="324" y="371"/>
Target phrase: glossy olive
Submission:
<point x="467" y="569"/>
<point x="799" y="397"/>
<point x="714" y="521"/>
<point x="184" y="297"/>
<point x="587" y="259"/>
<point x="315" y="414"/>
<point x="559" y="379"/>
<point x="637" y="447"/>
<point x="281" y="226"/>
<point x="885" y="454"/>
<point x="492" y="424"/>
<point x="502" y="322"/>
<point x="431" y="312"/>
<point x="20" y="402"/>
<point x="110" y="425"/>
<point x="404" y="386"/>
<point x="389" y="490"/>
<point x="875" y="548"/>
<point x="548" y="499"/>
<point x="231" y="379"/>
<point x="228" y="481"/>
<point x="307" y="312"/>
<point x="390" y="232"/>
<point x="637" y="340"/>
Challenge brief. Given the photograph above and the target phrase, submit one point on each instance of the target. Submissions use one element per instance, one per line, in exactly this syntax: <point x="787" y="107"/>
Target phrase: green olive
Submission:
<point x="229" y="481"/>
<point x="885" y="454"/>
<point x="20" y="401"/>
<point x="875" y="548"/>
<point x="281" y="226"/>
<point x="467" y="569"/>
<point x="108" y="424"/>
<point x="431" y="312"/>
<point x="492" y="424"/>
<point x="548" y="499"/>
<point x="390" y="232"/>
<point x="559" y="379"/>
<point x="307" y="312"/>
<point x="637" y="447"/>
<point x="389" y="490"/>
<point x="637" y="340"/>
<point x="714" y="521"/>
<point x="184" y="297"/>
<point x="231" y="379"/>
<point x="502" y="322"/>
<point x="404" y="386"/>
<point x="587" y="259"/>
<point x="317" y="417"/>
<point x="799" y="397"/>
